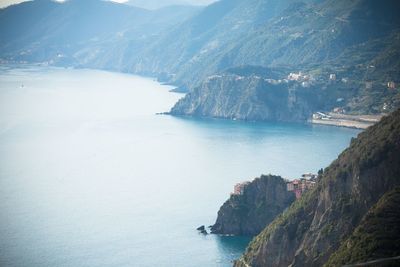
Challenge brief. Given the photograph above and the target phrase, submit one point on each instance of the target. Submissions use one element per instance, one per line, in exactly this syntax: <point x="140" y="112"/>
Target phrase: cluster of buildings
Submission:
<point x="299" y="186"/>
<point x="301" y="77"/>
<point x="339" y="110"/>
<point x="305" y="79"/>
<point x="238" y="189"/>
<point x="321" y="116"/>
<point x="391" y="85"/>
<point x="297" y="76"/>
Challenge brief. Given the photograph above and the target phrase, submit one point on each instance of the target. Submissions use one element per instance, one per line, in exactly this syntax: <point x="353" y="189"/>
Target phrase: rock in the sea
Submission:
<point x="250" y="212"/>
<point x="201" y="228"/>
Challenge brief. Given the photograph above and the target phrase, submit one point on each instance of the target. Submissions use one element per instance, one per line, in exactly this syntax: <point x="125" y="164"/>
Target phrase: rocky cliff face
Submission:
<point x="248" y="213"/>
<point x="248" y="98"/>
<point x="377" y="236"/>
<point x="313" y="228"/>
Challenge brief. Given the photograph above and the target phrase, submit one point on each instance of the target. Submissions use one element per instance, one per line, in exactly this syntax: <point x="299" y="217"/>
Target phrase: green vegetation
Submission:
<point x="376" y="237"/>
<point x="359" y="41"/>
<point x="350" y="213"/>
<point x="288" y="221"/>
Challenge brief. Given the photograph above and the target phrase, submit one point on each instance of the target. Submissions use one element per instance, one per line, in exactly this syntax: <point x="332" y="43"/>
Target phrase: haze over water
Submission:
<point x="90" y="176"/>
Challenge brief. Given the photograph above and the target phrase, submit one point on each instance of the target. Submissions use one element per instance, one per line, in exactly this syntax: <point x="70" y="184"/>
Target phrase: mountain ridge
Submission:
<point x="322" y="38"/>
<point x="357" y="41"/>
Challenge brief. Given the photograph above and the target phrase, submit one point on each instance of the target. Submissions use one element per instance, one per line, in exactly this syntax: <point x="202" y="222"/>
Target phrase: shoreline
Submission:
<point x="351" y="124"/>
<point x="361" y="122"/>
<point x="342" y="123"/>
<point x="359" y="125"/>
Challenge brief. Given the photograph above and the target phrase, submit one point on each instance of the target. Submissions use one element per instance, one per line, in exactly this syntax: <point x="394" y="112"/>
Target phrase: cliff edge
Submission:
<point x="248" y="212"/>
<point x="250" y="98"/>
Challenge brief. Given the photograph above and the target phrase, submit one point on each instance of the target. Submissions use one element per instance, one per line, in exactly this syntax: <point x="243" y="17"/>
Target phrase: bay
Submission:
<point x="91" y="176"/>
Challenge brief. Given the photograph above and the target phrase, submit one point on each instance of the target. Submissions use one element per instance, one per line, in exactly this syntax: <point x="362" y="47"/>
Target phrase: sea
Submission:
<point x="91" y="176"/>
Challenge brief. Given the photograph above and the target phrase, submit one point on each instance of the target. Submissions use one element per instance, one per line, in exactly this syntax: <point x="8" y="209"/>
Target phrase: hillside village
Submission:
<point x="307" y="80"/>
<point x="339" y="115"/>
<point x="329" y="95"/>
<point x="298" y="186"/>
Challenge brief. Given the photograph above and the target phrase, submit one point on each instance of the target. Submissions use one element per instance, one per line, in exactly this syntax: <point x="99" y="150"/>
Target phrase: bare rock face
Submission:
<point x="314" y="227"/>
<point x="250" y="212"/>
<point x="250" y="98"/>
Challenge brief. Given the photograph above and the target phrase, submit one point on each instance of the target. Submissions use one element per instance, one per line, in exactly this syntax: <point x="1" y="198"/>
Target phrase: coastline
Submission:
<point x="342" y="123"/>
<point x="361" y="122"/>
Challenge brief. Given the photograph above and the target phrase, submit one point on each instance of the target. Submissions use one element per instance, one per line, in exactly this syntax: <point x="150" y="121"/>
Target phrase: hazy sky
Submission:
<point x="4" y="3"/>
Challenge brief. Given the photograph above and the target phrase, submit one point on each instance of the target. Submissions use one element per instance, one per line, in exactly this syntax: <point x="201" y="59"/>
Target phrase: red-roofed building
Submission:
<point x="299" y="186"/>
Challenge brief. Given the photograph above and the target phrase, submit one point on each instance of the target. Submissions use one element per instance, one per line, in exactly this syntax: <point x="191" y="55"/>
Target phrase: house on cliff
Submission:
<point x="299" y="186"/>
<point x="238" y="189"/>
<point x="391" y="85"/>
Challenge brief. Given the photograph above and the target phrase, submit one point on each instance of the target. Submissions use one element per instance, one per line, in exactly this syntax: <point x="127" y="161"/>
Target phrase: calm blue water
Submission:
<point x="90" y="176"/>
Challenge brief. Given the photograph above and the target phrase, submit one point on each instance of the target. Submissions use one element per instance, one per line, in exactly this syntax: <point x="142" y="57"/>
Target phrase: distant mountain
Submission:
<point x="351" y="215"/>
<point x="357" y="41"/>
<point x="90" y="33"/>
<point x="199" y="47"/>
<point x="156" y="4"/>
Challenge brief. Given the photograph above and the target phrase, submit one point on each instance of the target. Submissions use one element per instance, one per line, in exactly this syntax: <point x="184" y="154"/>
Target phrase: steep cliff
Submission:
<point x="248" y="213"/>
<point x="377" y="236"/>
<point x="248" y="98"/>
<point x="312" y="229"/>
<point x="262" y="94"/>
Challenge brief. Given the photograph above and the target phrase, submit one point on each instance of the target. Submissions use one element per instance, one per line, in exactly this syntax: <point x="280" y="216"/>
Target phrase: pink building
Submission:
<point x="238" y="189"/>
<point x="391" y="85"/>
<point x="296" y="184"/>
<point x="289" y="186"/>
<point x="299" y="186"/>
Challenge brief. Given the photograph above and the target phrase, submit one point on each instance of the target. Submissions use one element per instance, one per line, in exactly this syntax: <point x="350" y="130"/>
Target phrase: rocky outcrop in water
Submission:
<point x="249" y="212"/>
<point x="317" y="225"/>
